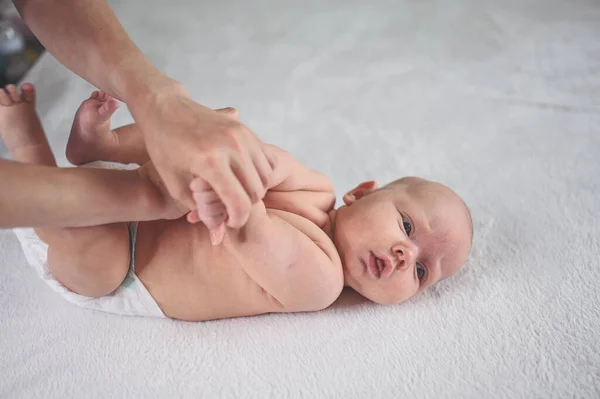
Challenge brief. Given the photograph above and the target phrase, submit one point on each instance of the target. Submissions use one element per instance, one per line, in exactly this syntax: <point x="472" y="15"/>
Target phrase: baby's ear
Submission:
<point x="360" y="191"/>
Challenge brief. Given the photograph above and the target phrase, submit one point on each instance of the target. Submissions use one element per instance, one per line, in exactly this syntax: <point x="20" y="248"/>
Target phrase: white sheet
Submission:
<point x="500" y="100"/>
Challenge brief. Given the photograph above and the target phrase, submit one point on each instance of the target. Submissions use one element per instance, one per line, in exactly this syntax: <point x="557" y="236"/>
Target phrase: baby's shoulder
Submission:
<point x="307" y="230"/>
<point x="308" y="205"/>
<point x="316" y="265"/>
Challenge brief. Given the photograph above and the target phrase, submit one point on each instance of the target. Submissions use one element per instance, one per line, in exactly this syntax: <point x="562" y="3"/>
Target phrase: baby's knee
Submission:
<point x="89" y="279"/>
<point x="89" y="270"/>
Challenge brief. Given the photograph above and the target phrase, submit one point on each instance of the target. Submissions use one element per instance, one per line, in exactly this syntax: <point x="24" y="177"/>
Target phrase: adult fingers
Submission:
<point x="255" y="159"/>
<point x="178" y="189"/>
<point x="264" y="167"/>
<point x="229" y="112"/>
<point x="248" y="175"/>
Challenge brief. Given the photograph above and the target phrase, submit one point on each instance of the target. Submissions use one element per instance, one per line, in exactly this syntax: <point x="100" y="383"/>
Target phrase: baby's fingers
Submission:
<point x="208" y="204"/>
<point x="210" y="210"/>
<point x="193" y="217"/>
<point x="218" y="234"/>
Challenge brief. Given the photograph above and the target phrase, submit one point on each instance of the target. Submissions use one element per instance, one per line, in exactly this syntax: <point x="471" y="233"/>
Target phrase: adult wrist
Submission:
<point x="143" y="95"/>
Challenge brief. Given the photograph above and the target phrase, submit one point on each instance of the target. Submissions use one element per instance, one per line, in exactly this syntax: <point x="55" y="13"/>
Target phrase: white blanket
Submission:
<point x="499" y="100"/>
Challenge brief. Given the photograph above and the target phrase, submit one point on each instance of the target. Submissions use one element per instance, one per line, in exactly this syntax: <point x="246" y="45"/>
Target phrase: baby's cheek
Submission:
<point x="395" y="291"/>
<point x="407" y="287"/>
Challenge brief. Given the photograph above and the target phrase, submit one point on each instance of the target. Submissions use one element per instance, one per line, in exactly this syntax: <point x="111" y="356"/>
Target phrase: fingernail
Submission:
<point x="213" y="238"/>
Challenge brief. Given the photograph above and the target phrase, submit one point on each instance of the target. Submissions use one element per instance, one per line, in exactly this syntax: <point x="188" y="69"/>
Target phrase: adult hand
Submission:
<point x="210" y="209"/>
<point x="159" y="200"/>
<point x="186" y="140"/>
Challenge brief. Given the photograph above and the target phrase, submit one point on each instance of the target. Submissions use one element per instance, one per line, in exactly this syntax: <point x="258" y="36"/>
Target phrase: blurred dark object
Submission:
<point x="19" y="48"/>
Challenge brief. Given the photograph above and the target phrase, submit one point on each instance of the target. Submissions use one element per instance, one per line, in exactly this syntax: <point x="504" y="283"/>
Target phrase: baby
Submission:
<point x="295" y="253"/>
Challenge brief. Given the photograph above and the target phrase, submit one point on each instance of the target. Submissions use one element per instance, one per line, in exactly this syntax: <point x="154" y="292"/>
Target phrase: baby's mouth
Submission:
<point x="379" y="267"/>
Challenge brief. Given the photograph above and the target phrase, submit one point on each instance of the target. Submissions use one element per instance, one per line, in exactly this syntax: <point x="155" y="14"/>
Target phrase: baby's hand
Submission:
<point x="210" y="210"/>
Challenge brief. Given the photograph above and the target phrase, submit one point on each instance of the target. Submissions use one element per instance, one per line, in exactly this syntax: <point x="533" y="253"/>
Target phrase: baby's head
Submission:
<point x="398" y="240"/>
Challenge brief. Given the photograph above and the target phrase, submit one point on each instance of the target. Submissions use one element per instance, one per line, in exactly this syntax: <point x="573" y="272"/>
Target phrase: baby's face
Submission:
<point x="397" y="241"/>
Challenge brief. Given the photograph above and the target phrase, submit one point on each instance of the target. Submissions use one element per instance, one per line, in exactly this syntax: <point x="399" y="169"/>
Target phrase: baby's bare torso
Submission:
<point x="192" y="280"/>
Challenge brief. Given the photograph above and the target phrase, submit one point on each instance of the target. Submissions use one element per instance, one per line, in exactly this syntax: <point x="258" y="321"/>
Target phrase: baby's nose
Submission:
<point x="405" y="252"/>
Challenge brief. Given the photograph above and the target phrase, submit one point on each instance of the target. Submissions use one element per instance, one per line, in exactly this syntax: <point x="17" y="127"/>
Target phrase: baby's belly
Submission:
<point x="190" y="279"/>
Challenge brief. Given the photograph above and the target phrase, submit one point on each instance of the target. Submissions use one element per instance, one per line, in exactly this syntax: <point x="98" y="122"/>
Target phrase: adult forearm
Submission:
<point x="40" y="196"/>
<point x="88" y="39"/>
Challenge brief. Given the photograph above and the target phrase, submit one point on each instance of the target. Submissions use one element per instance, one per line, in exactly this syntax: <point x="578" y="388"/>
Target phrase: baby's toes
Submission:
<point x="108" y="108"/>
<point x="28" y="92"/>
<point x="5" y="98"/>
<point x="13" y="93"/>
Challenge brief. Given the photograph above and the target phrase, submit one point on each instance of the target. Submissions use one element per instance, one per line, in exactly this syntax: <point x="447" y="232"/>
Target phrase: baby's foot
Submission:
<point x="91" y="135"/>
<point x="20" y="127"/>
<point x="17" y="116"/>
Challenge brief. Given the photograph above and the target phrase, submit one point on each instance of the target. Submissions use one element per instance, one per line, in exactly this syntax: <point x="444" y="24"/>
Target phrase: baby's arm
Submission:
<point x="313" y="195"/>
<point x="283" y="252"/>
<point x="292" y="260"/>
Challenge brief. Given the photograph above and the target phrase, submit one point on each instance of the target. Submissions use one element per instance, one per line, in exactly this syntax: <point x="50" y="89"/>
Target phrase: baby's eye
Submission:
<point x="407" y="226"/>
<point x="420" y="271"/>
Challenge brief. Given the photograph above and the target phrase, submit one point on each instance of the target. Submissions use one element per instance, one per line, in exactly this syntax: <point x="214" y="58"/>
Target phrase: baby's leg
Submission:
<point x="17" y="115"/>
<point x="91" y="261"/>
<point x="92" y="139"/>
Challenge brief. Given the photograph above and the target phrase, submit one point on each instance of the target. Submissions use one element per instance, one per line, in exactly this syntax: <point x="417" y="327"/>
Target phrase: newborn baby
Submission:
<point x="295" y="253"/>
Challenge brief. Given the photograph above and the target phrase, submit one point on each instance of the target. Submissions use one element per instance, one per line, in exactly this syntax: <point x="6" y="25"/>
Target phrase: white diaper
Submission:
<point x="130" y="299"/>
